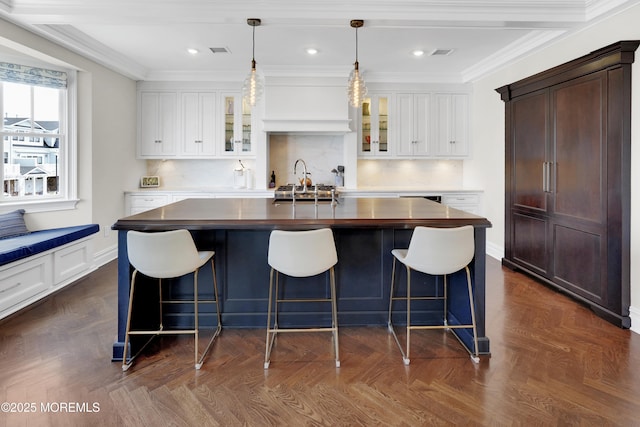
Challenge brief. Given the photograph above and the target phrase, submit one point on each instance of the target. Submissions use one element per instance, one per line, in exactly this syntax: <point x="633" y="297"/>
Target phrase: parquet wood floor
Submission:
<point x="553" y="362"/>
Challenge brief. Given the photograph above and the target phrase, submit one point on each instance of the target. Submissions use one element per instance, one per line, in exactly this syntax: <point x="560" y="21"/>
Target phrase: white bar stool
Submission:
<point x="165" y="255"/>
<point x="300" y="254"/>
<point x="435" y="251"/>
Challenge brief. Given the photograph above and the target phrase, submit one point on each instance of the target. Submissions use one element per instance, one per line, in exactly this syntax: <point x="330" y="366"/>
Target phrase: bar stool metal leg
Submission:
<point x="334" y="315"/>
<point x="271" y="333"/>
<point x="218" y="317"/>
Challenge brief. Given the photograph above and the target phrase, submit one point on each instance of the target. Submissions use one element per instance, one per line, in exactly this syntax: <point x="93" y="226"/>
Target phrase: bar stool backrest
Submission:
<point x="439" y="251"/>
<point x="164" y="254"/>
<point x="302" y="253"/>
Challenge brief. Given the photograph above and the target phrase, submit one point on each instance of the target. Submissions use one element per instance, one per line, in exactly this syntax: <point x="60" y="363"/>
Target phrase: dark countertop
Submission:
<point x="261" y="213"/>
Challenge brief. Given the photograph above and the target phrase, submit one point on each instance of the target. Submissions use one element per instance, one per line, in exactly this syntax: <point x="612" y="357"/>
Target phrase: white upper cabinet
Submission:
<point x="236" y="134"/>
<point x="198" y="119"/>
<point x="374" y="127"/>
<point x="193" y="121"/>
<point x="157" y="124"/>
<point x="451" y="129"/>
<point x="414" y="123"/>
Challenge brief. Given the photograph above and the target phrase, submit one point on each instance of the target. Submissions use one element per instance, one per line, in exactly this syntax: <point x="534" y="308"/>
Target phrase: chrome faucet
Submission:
<point x="304" y="174"/>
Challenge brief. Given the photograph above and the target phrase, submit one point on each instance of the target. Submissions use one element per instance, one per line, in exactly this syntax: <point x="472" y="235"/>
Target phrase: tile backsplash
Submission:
<point x="410" y="173"/>
<point x="196" y="173"/>
<point x="321" y="154"/>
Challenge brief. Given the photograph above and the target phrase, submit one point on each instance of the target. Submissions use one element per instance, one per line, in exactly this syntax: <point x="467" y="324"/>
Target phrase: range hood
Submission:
<point x="306" y="108"/>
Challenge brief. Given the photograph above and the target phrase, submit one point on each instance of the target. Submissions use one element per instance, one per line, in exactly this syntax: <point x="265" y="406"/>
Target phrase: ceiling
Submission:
<point x="148" y="40"/>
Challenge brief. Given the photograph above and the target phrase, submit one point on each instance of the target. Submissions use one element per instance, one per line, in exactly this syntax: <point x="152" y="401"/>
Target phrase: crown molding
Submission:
<point x="78" y="42"/>
<point x="523" y="46"/>
<point x="6" y="6"/>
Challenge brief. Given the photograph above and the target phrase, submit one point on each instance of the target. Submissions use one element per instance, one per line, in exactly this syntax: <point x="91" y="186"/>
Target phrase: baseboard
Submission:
<point x="105" y="256"/>
<point x="495" y="251"/>
<point x="634" y="314"/>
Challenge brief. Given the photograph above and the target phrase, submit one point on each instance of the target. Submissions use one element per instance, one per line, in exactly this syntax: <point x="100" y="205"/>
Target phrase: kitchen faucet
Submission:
<point x="304" y="174"/>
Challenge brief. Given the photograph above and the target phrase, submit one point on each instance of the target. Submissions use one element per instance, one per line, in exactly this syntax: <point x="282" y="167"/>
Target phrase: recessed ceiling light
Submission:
<point x="418" y="52"/>
<point x="312" y="51"/>
<point x="192" y="51"/>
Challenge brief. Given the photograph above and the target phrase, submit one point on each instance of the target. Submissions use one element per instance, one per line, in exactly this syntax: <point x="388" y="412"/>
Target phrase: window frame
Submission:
<point x="68" y="157"/>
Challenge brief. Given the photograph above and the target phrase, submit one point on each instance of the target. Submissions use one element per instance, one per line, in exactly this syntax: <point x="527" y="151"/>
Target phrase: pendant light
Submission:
<point x="254" y="83"/>
<point x="357" y="89"/>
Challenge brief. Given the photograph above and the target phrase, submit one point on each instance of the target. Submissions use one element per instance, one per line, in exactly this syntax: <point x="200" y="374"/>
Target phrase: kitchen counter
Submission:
<point x="265" y="214"/>
<point x="365" y="230"/>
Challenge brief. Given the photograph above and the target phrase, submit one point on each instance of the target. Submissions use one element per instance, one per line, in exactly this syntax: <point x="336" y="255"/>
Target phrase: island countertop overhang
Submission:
<point x="252" y="213"/>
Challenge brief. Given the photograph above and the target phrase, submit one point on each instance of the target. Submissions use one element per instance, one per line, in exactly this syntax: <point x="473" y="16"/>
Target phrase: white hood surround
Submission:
<point x="299" y="111"/>
<point x="307" y="106"/>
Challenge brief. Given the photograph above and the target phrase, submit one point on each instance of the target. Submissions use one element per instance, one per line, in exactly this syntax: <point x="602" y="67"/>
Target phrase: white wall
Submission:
<point x="486" y="169"/>
<point x="106" y="140"/>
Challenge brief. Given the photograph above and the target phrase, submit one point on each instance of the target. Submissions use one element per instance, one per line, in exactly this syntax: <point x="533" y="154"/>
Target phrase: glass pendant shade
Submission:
<point x="357" y="89"/>
<point x="253" y="86"/>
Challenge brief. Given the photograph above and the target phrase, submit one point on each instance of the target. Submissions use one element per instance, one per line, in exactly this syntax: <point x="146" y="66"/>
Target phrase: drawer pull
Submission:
<point x="11" y="287"/>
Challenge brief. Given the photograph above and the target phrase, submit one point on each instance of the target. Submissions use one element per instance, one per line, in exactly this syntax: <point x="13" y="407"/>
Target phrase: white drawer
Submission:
<point x="176" y="197"/>
<point x="23" y="281"/>
<point x="148" y="201"/>
<point x="468" y="202"/>
<point x="136" y="203"/>
<point x="458" y="199"/>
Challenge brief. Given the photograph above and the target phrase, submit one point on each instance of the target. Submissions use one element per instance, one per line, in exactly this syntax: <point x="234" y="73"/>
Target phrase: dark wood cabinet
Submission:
<point x="567" y="177"/>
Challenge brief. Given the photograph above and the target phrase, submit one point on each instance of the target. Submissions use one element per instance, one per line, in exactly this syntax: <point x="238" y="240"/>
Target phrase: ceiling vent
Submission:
<point x="220" y="50"/>
<point x="441" y="52"/>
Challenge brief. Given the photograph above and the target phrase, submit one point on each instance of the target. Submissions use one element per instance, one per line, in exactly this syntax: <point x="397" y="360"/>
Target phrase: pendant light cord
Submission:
<point x="253" y="52"/>
<point x="356" y="46"/>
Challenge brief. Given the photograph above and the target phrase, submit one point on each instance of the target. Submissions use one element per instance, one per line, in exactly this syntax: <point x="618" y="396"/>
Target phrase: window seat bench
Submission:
<point x="39" y="263"/>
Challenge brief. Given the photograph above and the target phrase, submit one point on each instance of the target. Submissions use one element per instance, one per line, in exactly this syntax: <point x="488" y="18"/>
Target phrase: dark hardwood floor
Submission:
<point x="553" y="362"/>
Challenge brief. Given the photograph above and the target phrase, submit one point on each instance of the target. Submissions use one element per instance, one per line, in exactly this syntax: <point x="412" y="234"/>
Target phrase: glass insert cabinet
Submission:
<point x="374" y="133"/>
<point x="237" y="125"/>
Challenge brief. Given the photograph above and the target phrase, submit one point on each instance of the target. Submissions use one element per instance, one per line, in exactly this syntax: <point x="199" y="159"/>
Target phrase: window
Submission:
<point x="37" y="145"/>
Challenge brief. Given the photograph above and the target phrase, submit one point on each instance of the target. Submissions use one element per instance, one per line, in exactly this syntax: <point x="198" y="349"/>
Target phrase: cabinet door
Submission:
<point x="374" y="127"/>
<point x="451" y="125"/>
<point x="413" y="124"/>
<point x="198" y="124"/>
<point x="528" y="152"/>
<point x="526" y="196"/>
<point x="579" y="171"/>
<point x="238" y="126"/>
<point x="580" y="215"/>
<point x="422" y="124"/>
<point x="157" y="124"/>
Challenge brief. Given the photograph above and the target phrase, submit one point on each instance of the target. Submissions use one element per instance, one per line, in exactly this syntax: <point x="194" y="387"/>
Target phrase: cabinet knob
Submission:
<point x="158" y="141"/>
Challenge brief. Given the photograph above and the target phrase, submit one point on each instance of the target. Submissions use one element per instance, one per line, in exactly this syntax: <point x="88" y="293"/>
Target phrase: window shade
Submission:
<point x="15" y="73"/>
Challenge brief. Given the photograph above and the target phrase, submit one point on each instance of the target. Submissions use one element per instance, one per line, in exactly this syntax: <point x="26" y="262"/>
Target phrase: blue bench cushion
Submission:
<point x="15" y="248"/>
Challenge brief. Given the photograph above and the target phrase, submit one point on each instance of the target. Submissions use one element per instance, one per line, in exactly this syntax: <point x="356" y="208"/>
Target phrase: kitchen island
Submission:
<point x="365" y="230"/>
